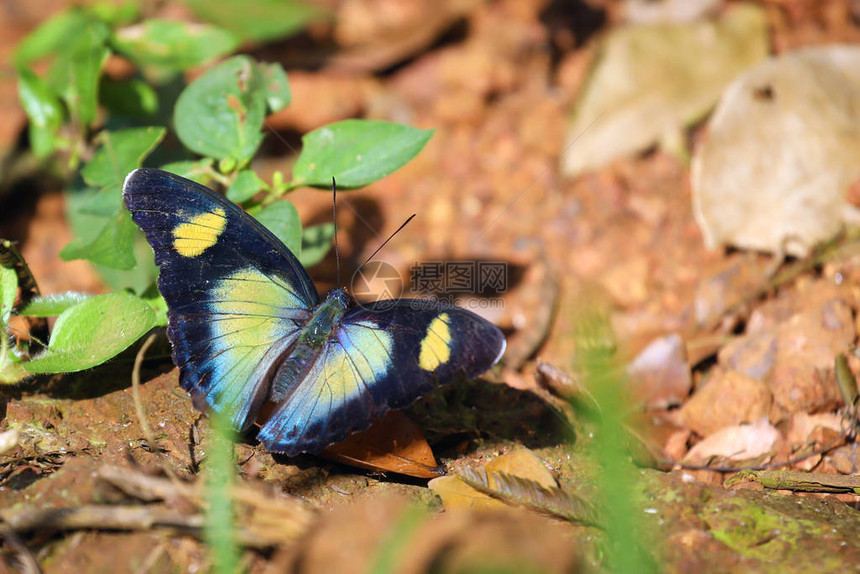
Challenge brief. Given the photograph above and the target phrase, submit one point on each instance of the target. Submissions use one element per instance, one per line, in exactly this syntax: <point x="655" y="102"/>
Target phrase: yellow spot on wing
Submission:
<point x="436" y="345"/>
<point x="201" y="232"/>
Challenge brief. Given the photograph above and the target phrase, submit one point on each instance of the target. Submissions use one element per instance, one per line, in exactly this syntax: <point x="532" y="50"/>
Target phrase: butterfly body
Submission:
<point x="248" y="327"/>
<point x="312" y="339"/>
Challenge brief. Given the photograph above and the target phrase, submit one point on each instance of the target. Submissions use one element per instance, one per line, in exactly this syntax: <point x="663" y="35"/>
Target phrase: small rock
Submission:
<point x="730" y="398"/>
<point x="846" y="459"/>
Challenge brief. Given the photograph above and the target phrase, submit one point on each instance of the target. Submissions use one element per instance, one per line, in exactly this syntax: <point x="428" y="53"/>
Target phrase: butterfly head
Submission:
<point x="339" y="297"/>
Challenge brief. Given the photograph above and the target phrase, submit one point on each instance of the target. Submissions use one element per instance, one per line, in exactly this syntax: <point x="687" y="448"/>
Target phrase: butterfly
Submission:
<point x="248" y="327"/>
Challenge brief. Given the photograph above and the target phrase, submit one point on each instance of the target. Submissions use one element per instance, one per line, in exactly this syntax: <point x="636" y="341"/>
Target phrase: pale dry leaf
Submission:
<point x="651" y="81"/>
<point x="781" y="154"/>
<point x="740" y="442"/>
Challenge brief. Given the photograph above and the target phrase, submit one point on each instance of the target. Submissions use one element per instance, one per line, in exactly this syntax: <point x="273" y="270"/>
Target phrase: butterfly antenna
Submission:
<point x="390" y="237"/>
<point x="334" y="221"/>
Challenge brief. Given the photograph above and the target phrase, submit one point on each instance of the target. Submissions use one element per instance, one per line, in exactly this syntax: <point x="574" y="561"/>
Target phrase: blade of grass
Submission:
<point x="394" y="547"/>
<point x="220" y="533"/>
<point x="603" y="376"/>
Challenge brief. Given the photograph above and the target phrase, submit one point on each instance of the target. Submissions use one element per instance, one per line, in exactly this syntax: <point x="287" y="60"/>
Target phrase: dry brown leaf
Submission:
<point x="392" y="444"/>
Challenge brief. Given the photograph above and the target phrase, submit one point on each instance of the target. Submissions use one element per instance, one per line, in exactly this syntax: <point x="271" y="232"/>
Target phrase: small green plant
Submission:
<point x="603" y="374"/>
<point x="112" y="126"/>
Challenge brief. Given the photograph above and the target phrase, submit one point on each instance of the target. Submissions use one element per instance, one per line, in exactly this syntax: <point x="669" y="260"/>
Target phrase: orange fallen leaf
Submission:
<point x="392" y="444"/>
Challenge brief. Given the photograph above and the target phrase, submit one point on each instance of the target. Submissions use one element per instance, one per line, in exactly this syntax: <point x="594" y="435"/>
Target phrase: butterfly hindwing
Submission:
<point x="237" y="297"/>
<point x="381" y="357"/>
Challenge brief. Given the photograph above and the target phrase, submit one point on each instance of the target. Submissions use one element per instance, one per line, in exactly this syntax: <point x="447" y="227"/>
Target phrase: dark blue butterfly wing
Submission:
<point x="380" y="357"/>
<point x="236" y="296"/>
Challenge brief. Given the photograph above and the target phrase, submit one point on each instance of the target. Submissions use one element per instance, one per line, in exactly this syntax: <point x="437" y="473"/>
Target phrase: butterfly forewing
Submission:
<point x="236" y="296"/>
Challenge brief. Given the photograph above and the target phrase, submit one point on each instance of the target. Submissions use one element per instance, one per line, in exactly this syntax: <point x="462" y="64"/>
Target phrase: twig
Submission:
<point x="26" y="560"/>
<point x="800" y="481"/>
<point x="262" y="521"/>
<point x="135" y="392"/>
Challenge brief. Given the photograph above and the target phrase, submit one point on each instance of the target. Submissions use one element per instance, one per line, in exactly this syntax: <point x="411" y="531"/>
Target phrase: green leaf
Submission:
<point x="51" y="305"/>
<point x="93" y="331"/>
<point x="74" y="75"/>
<point x="316" y="243"/>
<point x="278" y="94"/>
<point x="282" y="219"/>
<point x="116" y="14"/>
<point x="138" y="278"/>
<point x="154" y="299"/>
<point x="246" y="185"/>
<point x="53" y="36"/>
<point x="356" y="152"/>
<point x="199" y="171"/>
<point x="44" y="110"/>
<point x="87" y="228"/>
<point x="257" y="20"/>
<point x="220" y="114"/>
<point x="8" y="293"/>
<point x="113" y="247"/>
<point x="173" y="44"/>
<point x="132" y="98"/>
<point x="121" y="152"/>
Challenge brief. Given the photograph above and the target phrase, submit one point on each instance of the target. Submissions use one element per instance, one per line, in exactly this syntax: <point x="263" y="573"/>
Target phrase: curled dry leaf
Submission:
<point x="781" y="154"/>
<point x="736" y="443"/>
<point x="456" y="494"/>
<point x="529" y="493"/>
